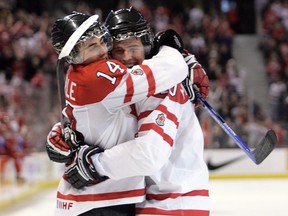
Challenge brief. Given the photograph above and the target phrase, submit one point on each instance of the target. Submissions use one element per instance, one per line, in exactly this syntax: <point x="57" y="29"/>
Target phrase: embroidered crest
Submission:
<point x="137" y="71"/>
<point x="160" y="119"/>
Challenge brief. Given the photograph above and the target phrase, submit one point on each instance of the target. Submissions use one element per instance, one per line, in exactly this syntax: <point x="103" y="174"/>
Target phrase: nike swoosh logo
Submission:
<point x="211" y="166"/>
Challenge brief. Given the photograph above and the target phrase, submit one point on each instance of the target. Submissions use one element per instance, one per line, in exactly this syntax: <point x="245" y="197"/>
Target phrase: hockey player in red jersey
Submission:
<point x="169" y="149"/>
<point x="99" y="92"/>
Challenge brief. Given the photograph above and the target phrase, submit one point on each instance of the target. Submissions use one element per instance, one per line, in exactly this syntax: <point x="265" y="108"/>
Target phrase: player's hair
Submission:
<point x="64" y="28"/>
<point x="125" y="23"/>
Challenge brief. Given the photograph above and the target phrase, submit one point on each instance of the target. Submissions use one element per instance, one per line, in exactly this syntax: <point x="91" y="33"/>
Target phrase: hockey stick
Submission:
<point x="261" y="151"/>
<point x="69" y="45"/>
<point x="66" y="50"/>
<point x="61" y="93"/>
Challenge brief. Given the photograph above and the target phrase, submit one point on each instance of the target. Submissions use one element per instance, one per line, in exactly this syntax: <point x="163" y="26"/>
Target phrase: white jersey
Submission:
<point x="169" y="151"/>
<point x="98" y="105"/>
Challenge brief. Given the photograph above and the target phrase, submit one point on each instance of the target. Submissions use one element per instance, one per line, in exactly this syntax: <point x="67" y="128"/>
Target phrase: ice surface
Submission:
<point x="258" y="197"/>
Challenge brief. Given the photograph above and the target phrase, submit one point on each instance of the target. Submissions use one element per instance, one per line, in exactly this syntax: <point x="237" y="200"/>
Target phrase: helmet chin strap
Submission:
<point x="147" y="49"/>
<point x="69" y="45"/>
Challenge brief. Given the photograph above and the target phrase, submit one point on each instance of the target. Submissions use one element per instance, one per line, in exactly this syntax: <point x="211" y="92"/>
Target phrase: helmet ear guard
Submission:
<point x="126" y="23"/>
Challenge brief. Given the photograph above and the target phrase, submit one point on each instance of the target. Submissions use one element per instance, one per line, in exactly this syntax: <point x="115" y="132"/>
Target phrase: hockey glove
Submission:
<point x="196" y="76"/>
<point x="81" y="172"/>
<point x="73" y="138"/>
<point x="169" y="38"/>
<point x="59" y="149"/>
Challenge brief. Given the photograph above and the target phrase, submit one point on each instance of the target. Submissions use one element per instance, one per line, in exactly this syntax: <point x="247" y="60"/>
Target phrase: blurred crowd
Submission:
<point x="14" y="143"/>
<point x="28" y="85"/>
<point x="274" y="45"/>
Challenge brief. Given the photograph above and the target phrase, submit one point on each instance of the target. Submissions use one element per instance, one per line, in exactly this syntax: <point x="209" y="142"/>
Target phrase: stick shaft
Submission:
<point x="61" y="89"/>
<point x="217" y="117"/>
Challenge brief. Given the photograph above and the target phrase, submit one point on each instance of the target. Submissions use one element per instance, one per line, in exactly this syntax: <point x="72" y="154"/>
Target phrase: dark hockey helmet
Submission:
<point x="125" y="23"/>
<point x="64" y="28"/>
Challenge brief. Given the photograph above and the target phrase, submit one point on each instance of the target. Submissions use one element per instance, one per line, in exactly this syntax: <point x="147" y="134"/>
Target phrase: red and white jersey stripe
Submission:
<point x="99" y="105"/>
<point x="169" y="151"/>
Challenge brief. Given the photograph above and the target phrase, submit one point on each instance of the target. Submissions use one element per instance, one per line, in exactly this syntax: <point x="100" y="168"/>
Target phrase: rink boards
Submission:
<point x="38" y="168"/>
<point x="40" y="173"/>
<point x="274" y="166"/>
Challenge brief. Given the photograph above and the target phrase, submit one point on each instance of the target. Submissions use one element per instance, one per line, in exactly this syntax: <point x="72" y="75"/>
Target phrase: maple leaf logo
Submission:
<point x="160" y="119"/>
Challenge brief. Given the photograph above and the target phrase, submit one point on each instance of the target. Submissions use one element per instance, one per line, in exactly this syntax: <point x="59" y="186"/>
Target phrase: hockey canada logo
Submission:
<point x="160" y="119"/>
<point x="137" y="72"/>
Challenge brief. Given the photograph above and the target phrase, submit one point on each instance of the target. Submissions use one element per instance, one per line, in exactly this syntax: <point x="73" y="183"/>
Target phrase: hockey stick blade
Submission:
<point x="265" y="147"/>
<point x="261" y="151"/>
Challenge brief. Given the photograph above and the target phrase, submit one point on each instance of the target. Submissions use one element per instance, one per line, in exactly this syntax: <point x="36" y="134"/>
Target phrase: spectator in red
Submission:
<point x="12" y="145"/>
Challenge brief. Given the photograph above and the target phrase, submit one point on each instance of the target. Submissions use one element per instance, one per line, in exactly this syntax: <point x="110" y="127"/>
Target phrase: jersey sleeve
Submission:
<point x="109" y="82"/>
<point x="150" y="151"/>
<point x="155" y="75"/>
<point x="168" y="68"/>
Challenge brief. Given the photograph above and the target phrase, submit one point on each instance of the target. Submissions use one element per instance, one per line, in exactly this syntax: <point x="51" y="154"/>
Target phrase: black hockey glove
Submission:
<point x="73" y="138"/>
<point x="81" y="171"/>
<point x="169" y="38"/>
<point x="60" y="149"/>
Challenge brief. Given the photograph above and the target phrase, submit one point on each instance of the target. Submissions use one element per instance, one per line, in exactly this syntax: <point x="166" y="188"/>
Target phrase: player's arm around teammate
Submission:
<point x="148" y="153"/>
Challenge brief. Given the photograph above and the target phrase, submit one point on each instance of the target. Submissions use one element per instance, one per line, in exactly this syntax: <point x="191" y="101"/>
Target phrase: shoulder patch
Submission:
<point x="137" y="71"/>
<point x="160" y="119"/>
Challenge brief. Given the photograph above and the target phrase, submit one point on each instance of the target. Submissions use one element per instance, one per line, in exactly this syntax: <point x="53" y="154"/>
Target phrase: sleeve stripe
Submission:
<point x="150" y="79"/>
<point x="176" y="195"/>
<point x="130" y="89"/>
<point x="169" y="115"/>
<point x="101" y="197"/>
<point x="144" y="114"/>
<point x="159" y="130"/>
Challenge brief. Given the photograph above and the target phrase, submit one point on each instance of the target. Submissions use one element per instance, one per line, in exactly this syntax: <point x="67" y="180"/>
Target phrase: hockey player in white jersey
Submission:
<point x="99" y="93"/>
<point x="169" y="147"/>
<point x="172" y="154"/>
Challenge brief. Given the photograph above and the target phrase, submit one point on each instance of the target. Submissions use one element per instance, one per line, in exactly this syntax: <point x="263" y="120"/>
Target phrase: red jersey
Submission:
<point x="98" y="98"/>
